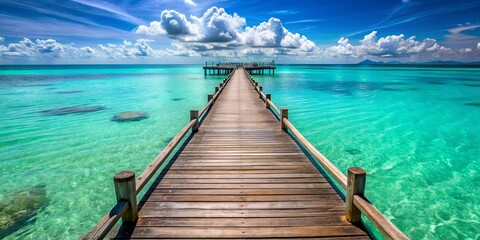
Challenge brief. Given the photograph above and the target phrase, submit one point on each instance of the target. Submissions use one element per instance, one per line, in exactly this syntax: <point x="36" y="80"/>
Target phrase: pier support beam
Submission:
<point x="194" y="115"/>
<point x="125" y="190"/>
<point x="355" y="186"/>
<point x="268" y="97"/>
<point x="283" y="114"/>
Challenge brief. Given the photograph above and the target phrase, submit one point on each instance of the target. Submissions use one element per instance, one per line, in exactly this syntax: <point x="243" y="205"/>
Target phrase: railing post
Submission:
<point x="268" y="97"/>
<point x="216" y="89"/>
<point x="210" y="97"/>
<point x="125" y="190"/>
<point x="221" y="84"/>
<point x="260" y="89"/>
<point x="194" y="115"/>
<point x="355" y="186"/>
<point x="283" y="114"/>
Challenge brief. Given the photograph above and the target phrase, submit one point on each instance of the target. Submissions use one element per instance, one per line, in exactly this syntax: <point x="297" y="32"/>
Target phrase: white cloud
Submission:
<point x="214" y="26"/>
<point x="274" y="34"/>
<point x="478" y="46"/>
<point x="217" y="29"/>
<point x="389" y="46"/>
<point x="28" y="48"/>
<point x="190" y="2"/>
<point x="2" y="39"/>
<point x="127" y="49"/>
<point x="50" y="48"/>
<point x="461" y="35"/>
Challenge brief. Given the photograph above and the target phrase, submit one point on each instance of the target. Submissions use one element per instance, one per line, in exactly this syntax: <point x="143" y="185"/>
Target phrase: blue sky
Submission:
<point x="192" y="31"/>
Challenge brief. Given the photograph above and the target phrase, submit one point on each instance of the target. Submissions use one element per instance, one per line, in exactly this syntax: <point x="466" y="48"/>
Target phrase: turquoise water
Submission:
<point x="414" y="129"/>
<point x="75" y="156"/>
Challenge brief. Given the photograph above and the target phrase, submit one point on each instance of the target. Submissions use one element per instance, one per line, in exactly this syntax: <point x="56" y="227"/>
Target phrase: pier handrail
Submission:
<point x="122" y="207"/>
<point x="354" y="185"/>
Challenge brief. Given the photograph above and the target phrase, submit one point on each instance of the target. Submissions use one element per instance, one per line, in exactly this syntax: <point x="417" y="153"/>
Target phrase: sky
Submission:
<point x="195" y="31"/>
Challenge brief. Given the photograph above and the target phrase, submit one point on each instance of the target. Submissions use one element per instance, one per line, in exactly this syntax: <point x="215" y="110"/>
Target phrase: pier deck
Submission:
<point x="241" y="176"/>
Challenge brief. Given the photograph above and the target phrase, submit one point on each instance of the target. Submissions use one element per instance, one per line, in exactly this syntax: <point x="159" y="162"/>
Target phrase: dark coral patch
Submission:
<point x="72" y="110"/>
<point x="129" y="116"/>
<point x="353" y="151"/>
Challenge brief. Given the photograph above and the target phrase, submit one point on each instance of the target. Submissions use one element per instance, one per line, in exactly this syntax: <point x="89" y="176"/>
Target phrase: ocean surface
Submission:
<point x="414" y="129"/>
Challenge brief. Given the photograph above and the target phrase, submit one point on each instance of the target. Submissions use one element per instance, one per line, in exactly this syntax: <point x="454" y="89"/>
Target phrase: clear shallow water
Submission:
<point x="415" y="130"/>
<point x="75" y="156"/>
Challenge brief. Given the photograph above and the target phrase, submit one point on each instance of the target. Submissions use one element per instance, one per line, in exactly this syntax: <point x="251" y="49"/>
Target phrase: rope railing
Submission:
<point x="354" y="184"/>
<point x="127" y="188"/>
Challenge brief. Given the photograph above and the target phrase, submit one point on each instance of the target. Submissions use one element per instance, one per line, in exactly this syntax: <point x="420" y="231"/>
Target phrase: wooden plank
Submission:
<point x="239" y="191"/>
<point x="242" y="185"/>
<point x="244" y="180"/>
<point x="238" y="198"/>
<point x="246" y="232"/>
<point x="235" y="213"/>
<point x="326" y="204"/>
<point x="243" y="175"/>
<point x="243" y="222"/>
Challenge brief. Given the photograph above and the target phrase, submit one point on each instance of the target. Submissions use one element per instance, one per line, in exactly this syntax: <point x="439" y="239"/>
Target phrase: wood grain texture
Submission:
<point x="240" y="177"/>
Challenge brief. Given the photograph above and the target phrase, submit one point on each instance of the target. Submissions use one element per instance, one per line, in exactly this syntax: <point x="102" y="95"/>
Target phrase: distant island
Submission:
<point x="370" y="62"/>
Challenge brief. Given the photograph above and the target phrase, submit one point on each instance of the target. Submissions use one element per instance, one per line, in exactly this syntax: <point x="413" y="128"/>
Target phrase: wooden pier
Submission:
<point x="253" y="68"/>
<point x="240" y="175"/>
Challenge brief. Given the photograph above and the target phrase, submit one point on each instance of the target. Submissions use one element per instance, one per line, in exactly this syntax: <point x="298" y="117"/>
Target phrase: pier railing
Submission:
<point x="354" y="183"/>
<point x="127" y="188"/>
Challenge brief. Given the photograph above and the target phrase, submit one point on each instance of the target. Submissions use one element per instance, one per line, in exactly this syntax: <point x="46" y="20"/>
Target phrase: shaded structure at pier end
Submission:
<point x="225" y="68"/>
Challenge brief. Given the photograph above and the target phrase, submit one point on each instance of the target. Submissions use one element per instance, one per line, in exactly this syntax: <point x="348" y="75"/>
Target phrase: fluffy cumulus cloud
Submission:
<point x="218" y="30"/>
<point x="274" y="34"/>
<point x="387" y="47"/>
<point x="29" y="48"/>
<point x="2" y="39"/>
<point x="51" y="49"/>
<point x="478" y="46"/>
<point x="215" y="25"/>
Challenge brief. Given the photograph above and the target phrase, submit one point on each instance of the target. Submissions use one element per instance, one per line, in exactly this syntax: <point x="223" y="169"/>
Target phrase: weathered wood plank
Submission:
<point x="242" y="180"/>
<point x="235" y="213"/>
<point x="240" y="191"/>
<point x="243" y="222"/>
<point x="247" y="232"/>
<point x="237" y="198"/>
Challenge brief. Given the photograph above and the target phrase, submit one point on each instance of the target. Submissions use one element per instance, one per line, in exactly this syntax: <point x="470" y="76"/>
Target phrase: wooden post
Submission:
<point x="283" y="114"/>
<point x="268" y="97"/>
<point x="221" y="84"/>
<point x="216" y="89"/>
<point x="125" y="190"/>
<point x="259" y="92"/>
<point x="210" y="97"/>
<point x="194" y="115"/>
<point x="355" y="186"/>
